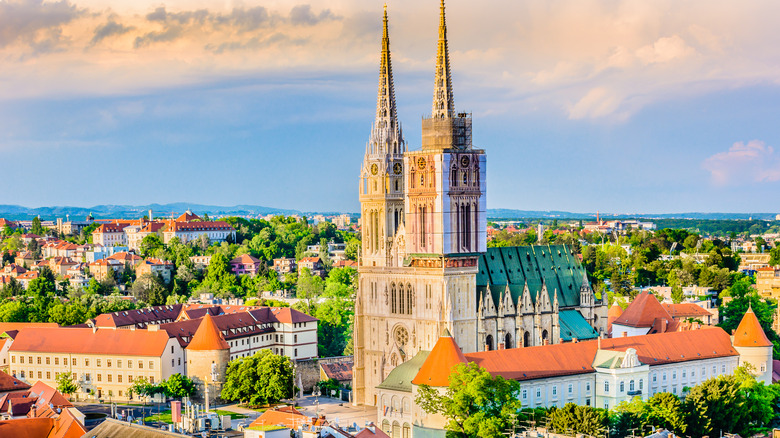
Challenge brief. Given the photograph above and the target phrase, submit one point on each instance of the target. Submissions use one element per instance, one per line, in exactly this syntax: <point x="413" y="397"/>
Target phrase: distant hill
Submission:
<point x="176" y="208"/>
<point x="502" y="213"/>
<point x="135" y="211"/>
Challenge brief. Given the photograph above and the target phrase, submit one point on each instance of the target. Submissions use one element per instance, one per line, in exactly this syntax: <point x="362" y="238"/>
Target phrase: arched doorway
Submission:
<point x="396" y="430"/>
<point x="508" y="341"/>
<point x="527" y="339"/>
<point x="544" y="336"/>
<point x="489" y="342"/>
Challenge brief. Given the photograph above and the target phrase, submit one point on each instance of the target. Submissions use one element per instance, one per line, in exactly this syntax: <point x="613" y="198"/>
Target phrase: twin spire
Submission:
<point x="443" y="99"/>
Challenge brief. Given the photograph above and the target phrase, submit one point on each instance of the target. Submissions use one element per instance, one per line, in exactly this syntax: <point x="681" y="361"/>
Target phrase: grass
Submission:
<point x="165" y="416"/>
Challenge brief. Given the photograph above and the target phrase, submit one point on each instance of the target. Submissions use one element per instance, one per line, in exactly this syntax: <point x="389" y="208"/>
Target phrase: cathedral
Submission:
<point x="425" y="266"/>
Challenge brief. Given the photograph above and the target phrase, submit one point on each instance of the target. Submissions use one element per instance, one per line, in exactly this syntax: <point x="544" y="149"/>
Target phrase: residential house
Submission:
<point x="245" y="264"/>
<point x="284" y="265"/>
<point x="768" y="282"/>
<point x="201" y="262"/>
<point x="104" y="268"/>
<point x="313" y="264"/>
<point x="151" y="266"/>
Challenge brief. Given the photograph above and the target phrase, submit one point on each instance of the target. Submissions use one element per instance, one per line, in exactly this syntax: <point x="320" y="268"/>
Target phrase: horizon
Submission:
<point x="585" y="106"/>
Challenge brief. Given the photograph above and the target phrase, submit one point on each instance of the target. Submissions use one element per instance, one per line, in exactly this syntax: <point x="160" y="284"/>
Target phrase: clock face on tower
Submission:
<point x="397" y="168"/>
<point x="421" y="163"/>
<point x="374" y="169"/>
<point x="464" y="161"/>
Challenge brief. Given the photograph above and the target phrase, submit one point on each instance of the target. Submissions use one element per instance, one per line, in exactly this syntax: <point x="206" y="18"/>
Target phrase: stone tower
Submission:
<point x="381" y="176"/>
<point x="207" y="352"/>
<point x="754" y="347"/>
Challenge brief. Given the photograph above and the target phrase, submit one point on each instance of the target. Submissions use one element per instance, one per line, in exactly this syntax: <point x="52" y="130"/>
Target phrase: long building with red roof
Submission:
<point x="600" y="373"/>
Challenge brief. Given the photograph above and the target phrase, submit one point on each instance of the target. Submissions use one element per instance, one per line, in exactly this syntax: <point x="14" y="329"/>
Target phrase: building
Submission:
<point x="313" y="264"/>
<point x="284" y="265"/>
<point x="425" y="265"/>
<point x="150" y="266"/>
<point x="645" y="315"/>
<point x="201" y="262"/>
<point x="245" y="264"/>
<point x="103" y="360"/>
<point x="600" y="373"/>
<point x="110" y="234"/>
<point x="768" y="282"/>
<point x="40" y="412"/>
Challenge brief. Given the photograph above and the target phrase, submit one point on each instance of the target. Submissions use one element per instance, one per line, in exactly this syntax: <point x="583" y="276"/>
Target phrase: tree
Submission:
<point x="141" y="387"/>
<point x="178" y="386"/>
<point x="677" y="295"/>
<point x="150" y="244"/>
<point x="309" y="286"/>
<point x="578" y="419"/>
<point x="666" y="410"/>
<point x="259" y="379"/>
<point x="774" y="255"/>
<point x="475" y="403"/>
<point x="37" y="228"/>
<point x="335" y="316"/>
<point x="66" y="383"/>
<point x="150" y="289"/>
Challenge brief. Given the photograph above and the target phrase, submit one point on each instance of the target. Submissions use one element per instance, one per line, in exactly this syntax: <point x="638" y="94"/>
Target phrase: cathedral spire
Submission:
<point x="385" y="104"/>
<point x="443" y="99"/>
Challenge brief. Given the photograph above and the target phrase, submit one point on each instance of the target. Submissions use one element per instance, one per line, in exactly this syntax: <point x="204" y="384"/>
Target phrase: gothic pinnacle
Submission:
<point x="443" y="99"/>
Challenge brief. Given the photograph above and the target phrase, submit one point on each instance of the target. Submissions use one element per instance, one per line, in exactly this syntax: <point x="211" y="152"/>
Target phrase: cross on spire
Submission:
<point x="443" y="99"/>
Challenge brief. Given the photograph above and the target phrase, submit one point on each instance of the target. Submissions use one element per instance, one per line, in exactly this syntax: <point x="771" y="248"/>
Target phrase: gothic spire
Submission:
<point x="443" y="99"/>
<point x="385" y="104"/>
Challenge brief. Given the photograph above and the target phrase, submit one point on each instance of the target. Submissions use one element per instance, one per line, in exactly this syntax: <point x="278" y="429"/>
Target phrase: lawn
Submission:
<point x="165" y="416"/>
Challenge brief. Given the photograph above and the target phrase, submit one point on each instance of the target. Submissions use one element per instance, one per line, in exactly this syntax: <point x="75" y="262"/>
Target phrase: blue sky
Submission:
<point x="581" y="105"/>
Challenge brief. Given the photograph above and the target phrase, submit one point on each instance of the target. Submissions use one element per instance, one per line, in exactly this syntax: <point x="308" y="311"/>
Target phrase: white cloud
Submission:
<point x="754" y="162"/>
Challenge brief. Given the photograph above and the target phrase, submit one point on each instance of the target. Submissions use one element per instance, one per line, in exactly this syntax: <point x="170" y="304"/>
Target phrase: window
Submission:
<point x="98" y="362"/>
<point x="39" y="360"/>
<point x="151" y="379"/>
<point x="555" y="390"/>
<point x="674" y="375"/>
<point x="571" y="388"/>
<point x="73" y="361"/>
<point x="631" y="386"/>
<point x="99" y="377"/>
<point x="151" y="365"/>
<point x="140" y="364"/>
<point x="48" y="375"/>
<point x="295" y="339"/>
<point x="641" y="383"/>
<point x="295" y="353"/>
<point x="108" y="377"/>
<point x="119" y="363"/>
<point x="129" y="378"/>
<point x="129" y="363"/>
<point x="13" y="359"/>
<point x="663" y="377"/>
<point x="40" y="374"/>
<point x="171" y="349"/>
<point x="763" y="367"/>
<point x="655" y="378"/>
<point x="87" y="377"/>
<point x="693" y="373"/>
<point x="56" y="361"/>
<point x="606" y="387"/>
<point x="587" y="387"/>
<point x="622" y="386"/>
<point x="714" y="370"/>
<point x="21" y="373"/>
<point x="525" y="394"/>
<point x="48" y="361"/>
<point x="119" y="378"/>
<point x="683" y="374"/>
<point x="723" y="368"/>
<point x="538" y="392"/>
<point x="108" y="363"/>
<point x="179" y="361"/>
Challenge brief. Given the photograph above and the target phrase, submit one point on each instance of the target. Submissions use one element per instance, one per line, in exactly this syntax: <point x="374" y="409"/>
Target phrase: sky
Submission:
<point x="622" y="106"/>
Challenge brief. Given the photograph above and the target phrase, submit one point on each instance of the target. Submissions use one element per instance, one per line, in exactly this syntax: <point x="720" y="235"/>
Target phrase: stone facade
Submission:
<point x="425" y="265"/>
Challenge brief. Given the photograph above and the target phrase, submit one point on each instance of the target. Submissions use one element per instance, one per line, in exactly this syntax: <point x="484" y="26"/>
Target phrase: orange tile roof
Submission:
<point x="749" y="332"/>
<point x="368" y="433"/>
<point x="577" y="358"/>
<point x="645" y="311"/>
<point x="245" y="259"/>
<point x="8" y="326"/>
<point x="686" y="310"/>
<point x="208" y="337"/>
<point x="287" y="418"/>
<point x="11" y="383"/>
<point x="289" y="315"/>
<point x="85" y="341"/>
<point x="187" y="216"/>
<point x="435" y="371"/>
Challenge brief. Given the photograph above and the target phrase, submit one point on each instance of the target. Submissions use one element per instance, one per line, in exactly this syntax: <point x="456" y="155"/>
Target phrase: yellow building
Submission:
<point x="768" y="282"/>
<point x="103" y="361"/>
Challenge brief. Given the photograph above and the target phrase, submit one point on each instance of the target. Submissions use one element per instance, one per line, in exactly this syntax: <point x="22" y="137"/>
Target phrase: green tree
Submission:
<point x="475" y="403"/>
<point x="259" y="379"/>
<point x="677" y="295"/>
<point x="774" y="256"/>
<point x="666" y="410"/>
<point x="578" y="419"/>
<point x="150" y="244"/>
<point x="141" y="387"/>
<point x="341" y="283"/>
<point x="178" y="386"/>
<point x="335" y="315"/>
<point x="150" y="289"/>
<point x="37" y="228"/>
<point x="309" y="287"/>
<point x="66" y="383"/>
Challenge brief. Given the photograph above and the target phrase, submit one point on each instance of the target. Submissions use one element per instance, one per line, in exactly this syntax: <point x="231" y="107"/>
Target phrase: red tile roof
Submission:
<point x="577" y="358"/>
<point x="646" y="311"/>
<point x="749" y="332"/>
<point x="201" y="226"/>
<point x="245" y="259"/>
<point x="686" y="310"/>
<point x="435" y="371"/>
<point x="11" y="383"/>
<point x="140" y="317"/>
<point x="208" y="337"/>
<point x="124" y="256"/>
<point x="338" y="370"/>
<point x="290" y="419"/>
<point x="368" y="433"/>
<point x="85" y="341"/>
<point x="288" y="315"/>
<point x="187" y="216"/>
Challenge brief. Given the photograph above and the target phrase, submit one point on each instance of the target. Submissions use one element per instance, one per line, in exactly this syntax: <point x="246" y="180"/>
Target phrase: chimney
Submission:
<point x="599" y="340"/>
<point x="501" y="346"/>
<point x="150" y="215"/>
<point x="32" y="411"/>
<point x="624" y="334"/>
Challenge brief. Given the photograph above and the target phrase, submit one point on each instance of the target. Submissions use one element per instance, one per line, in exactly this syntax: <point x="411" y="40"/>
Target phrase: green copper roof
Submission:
<point x="553" y="265"/>
<point x="400" y="379"/>
<point x="573" y="325"/>
<point x="608" y="359"/>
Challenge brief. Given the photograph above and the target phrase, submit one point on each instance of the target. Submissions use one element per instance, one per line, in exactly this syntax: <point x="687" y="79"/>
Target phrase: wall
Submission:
<point x="308" y="370"/>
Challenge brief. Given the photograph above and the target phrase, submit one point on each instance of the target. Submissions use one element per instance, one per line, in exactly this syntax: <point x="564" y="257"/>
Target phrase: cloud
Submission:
<point x="169" y="34"/>
<point x="34" y="22"/>
<point x="111" y="28"/>
<point x="665" y="49"/>
<point x="754" y="162"/>
<point x="302" y="14"/>
<point x="598" y="102"/>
